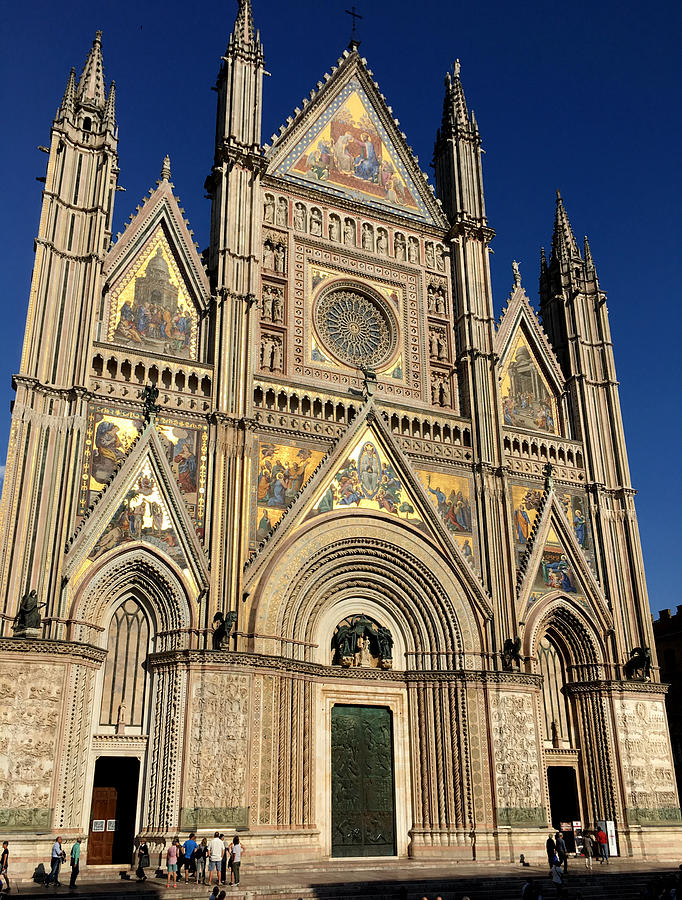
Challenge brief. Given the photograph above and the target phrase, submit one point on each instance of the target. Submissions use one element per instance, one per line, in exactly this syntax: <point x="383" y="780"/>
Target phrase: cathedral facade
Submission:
<point x="297" y="538"/>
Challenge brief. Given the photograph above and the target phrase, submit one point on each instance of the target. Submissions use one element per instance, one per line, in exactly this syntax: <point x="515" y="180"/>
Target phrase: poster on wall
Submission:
<point x="98" y="825"/>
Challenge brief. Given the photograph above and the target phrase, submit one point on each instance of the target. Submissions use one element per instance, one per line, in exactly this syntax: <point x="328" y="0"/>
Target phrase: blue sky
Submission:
<point x="583" y="97"/>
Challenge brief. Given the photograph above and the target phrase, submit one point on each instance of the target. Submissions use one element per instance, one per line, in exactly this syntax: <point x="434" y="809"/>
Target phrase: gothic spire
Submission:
<point x="244" y="35"/>
<point x="68" y="104"/>
<point x="564" y="245"/>
<point x="91" y="84"/>
<point x="109" y="115"/>
<point x="166" y="169"/>
<point x="589" y="262"/>
<point x="455" y="112"/>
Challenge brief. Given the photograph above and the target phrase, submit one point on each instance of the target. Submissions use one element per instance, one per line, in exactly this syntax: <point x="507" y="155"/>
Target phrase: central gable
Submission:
<point x="346" y="150"/>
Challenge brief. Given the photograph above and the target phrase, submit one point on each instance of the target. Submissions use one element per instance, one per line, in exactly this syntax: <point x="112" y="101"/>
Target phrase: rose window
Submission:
<point x="357" y="328"/>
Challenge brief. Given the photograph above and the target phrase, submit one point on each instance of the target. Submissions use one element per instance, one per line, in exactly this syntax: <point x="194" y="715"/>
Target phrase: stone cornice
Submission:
<point x="616" y="687"/>
<point x="74" y="649"/>
<point x="200" y="659"/>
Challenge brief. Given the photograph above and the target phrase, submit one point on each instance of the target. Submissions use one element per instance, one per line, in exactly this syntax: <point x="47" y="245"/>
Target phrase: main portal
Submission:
<point x="363" y="804"/>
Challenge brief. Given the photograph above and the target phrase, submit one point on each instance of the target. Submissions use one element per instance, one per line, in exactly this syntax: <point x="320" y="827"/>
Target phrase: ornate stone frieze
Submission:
<point x="517" y="771"/>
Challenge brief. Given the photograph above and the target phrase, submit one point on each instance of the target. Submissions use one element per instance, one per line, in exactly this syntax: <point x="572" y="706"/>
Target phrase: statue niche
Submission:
<point x="360" y="642"/>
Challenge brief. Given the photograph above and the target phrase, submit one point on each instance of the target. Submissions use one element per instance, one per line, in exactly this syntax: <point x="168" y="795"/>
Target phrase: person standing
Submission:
<point x="551" y="850"/>
<point x="142" y="860"/>
<point x="200" y="855"/>
<point x="223" y="862"/>
<point x="75" y="862"/>
<point x="561" y="850"/>
<point x="189" y="847"/>
<point x="216" y="851"/>
<point x="588" y="849"/>
<point x="172" y="863"/>
<point x="558" y="880"/>
<point x="235" y="849"/>
<point x="603" y="843"/>
<point x="4" y="864"/>
<point x="57" y="858"/>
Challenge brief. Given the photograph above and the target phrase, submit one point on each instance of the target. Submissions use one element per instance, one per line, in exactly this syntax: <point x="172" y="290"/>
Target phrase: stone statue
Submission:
<point x="149" y="396"/>
<point x="413" y="251"/>
<point x="277" y="307"/>
<point x="269" y="209"/>
<point x="429" y="257"/>
<point x="222" y="626"/>
<point x="315" y="222"/>
<point x="299" y="217"/>
<point x="511" y="654"/>
<point x="334" y="229"/>
<point x="121" y="719"/>
<point x="267" y="305"/>
<point x="440" y="258"/>
<point x="555" y="736"/>
<point x="344" y="645"/>
<point x="385" y="641"/>
<point x="28" y="614"/>
<point x="638" y="667"/>
<point x="517" y="274"/>
<point x="282" y="212"/>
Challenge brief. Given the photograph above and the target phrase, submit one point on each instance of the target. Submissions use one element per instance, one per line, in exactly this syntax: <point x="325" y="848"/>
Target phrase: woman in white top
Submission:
<point x="236" y="849"/>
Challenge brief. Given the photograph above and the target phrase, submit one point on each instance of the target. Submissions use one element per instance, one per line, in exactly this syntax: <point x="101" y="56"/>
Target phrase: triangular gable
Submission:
<point x="531" y="380"/>
<point x="154" y="281"/>
<point x="345" y="142"/>
<point x="368" y="470"/>
<point x="141" y="505"/>
<point x="554" y="563"/>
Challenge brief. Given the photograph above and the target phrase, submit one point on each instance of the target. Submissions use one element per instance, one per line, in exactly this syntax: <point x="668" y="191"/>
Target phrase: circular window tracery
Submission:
<point x="356" y="326"/>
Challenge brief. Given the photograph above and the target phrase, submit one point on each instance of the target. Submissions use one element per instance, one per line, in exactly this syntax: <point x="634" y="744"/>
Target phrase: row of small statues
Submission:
<point x="346" y="231"/>
<point x="361" y="643"/>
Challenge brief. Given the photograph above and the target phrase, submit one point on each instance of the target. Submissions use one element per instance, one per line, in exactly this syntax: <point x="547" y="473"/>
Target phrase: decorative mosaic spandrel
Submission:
<point x="151" y="309"/>
<point x="142" y="516"/>
<point x="527" y="400"/>
<point x="451" y="497"/>
<point x="347" y="152"/>
<point x="367" y="479"/>
<point x="283" y="469"/>
<point x="109" y="436"/>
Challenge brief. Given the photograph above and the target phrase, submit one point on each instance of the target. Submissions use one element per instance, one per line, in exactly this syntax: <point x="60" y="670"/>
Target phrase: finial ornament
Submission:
<point x="354" y="40"/>
<point x="517" y="274"/>
<point x="457" y="68"/>
<point x="149" y="396"/>
<point x="549" y="480"/>
<point x="166" y="169"/>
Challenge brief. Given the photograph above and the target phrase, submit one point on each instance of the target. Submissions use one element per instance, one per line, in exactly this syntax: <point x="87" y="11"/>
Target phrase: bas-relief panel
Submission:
<point x="347" y="152"/>
<point x="142" y="515"/>
<point x="647" y="766"/>
<point x="110" y="434"/>
<point x="527" y="400"/>
<point x="283" y="469"/>
<point x="517" y="759"/>
<point x="368" y="480"/>
<point x="316" y="351"/>
<point x="451" y="496"/>
<point x="152" y="310"/>
<point x="219" y="729"/>
<point x="29" y="720"/>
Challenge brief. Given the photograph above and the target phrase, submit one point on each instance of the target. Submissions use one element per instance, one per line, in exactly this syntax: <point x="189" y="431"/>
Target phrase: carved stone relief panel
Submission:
<point x="648" y="775"/>
<point x="219" y="731"/>
<point x="272" y="303"/>
<point x="30" y="707"/>
<point x="517" y="759"/>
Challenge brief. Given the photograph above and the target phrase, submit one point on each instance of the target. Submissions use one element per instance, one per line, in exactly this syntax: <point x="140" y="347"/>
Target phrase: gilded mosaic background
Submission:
<point x="527" y="400"/>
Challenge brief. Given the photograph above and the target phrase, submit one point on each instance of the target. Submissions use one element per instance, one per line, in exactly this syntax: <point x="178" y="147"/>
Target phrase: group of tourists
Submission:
<point x="199" y="860"/>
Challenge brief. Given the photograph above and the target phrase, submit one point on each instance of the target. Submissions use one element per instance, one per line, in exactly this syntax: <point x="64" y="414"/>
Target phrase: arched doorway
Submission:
<point x="122" y="727"/>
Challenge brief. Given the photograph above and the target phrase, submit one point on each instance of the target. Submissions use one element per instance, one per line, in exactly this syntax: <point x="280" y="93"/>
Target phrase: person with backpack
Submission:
<point x="588" y="849"/>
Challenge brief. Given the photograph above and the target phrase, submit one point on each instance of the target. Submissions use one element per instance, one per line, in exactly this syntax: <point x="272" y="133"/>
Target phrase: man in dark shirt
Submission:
<point x="551" y="849"/>
<point x="561" y="850"/>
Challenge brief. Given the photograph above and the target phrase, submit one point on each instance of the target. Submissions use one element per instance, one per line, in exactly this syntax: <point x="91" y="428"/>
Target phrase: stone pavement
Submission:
<point x="379" y="880"/>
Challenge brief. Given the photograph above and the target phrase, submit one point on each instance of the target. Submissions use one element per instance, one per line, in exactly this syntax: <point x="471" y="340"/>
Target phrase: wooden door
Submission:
<point x="101" y="838"/>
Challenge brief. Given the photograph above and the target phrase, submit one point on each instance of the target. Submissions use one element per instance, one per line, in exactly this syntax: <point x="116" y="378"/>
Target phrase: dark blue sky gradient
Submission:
<point x="583" y="97"/>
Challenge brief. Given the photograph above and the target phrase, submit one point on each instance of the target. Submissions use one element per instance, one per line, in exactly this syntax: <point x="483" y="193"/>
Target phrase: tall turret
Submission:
<point x="459" y="186"/>
<point x="234" y="268"/>
<point x="73" y="237"/>
<point x="576" y="319"/>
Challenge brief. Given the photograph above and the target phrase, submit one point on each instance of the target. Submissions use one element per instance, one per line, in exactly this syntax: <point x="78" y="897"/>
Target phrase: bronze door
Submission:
<point x="101" y="840"/>
<point x="363" y="811"/>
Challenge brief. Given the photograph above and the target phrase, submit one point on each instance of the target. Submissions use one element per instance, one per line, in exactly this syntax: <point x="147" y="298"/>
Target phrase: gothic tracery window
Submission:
<point x="125" y="683"/>
<point x="554" y="701"/>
